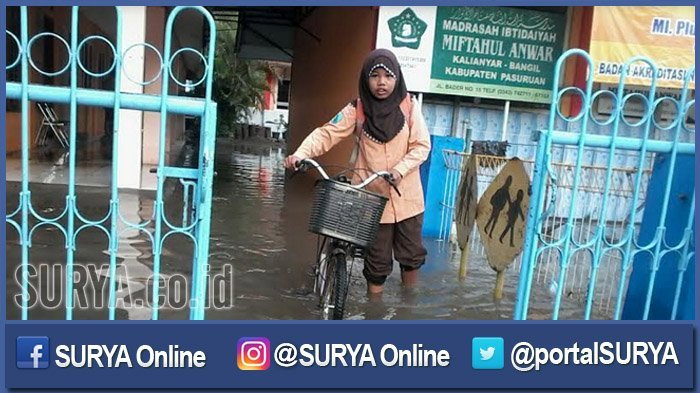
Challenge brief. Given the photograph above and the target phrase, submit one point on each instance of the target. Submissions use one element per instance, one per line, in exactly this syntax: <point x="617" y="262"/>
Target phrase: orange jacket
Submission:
<point x="403" y="153"/>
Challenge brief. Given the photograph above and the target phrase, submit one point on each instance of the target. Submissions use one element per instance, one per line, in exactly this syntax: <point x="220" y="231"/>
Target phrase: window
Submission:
<point x="283" y="95"/>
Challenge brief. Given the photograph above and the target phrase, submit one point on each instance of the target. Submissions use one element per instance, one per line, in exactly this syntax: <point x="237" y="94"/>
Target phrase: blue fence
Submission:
<point x="197" y="182"/>
<point x="591" y="237"/>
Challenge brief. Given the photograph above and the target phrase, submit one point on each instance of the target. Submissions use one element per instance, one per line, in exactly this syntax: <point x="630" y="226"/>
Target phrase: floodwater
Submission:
<point x="259" y="249"/>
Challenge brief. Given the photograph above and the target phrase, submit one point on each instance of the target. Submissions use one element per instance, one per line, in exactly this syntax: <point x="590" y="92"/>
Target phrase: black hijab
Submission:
<point x="383" y="118"/>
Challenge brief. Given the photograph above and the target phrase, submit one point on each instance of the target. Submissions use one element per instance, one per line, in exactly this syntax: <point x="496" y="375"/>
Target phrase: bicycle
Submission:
<point x="347" y="218"/>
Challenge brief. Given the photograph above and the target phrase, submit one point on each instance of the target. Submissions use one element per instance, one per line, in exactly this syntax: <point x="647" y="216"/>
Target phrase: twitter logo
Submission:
<point x="487" y="353"/>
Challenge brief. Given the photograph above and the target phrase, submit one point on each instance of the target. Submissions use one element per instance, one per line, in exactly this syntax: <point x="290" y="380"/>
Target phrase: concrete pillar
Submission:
<point x="130" y="121"/>
<point x="155" y="35"/>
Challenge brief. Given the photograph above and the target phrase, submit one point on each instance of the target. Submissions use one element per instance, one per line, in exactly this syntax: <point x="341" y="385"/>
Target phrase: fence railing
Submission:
<point x="590" y="189"/>
<point x="115" y="224"/>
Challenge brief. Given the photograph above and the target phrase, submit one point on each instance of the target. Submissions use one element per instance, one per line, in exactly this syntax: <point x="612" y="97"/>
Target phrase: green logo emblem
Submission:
<point x="406" y="29"/>
<point x="338" y="117"/>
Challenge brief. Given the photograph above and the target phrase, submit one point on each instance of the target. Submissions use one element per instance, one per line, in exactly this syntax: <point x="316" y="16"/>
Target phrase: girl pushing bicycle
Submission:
<point x="391" y="135"/>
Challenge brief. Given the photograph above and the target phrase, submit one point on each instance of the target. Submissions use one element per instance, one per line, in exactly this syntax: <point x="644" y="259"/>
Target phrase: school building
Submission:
<point x="481" y="73"/>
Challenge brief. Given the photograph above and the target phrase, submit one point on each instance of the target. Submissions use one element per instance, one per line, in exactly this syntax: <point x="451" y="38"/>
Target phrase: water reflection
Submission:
<point x="259" y="228"/>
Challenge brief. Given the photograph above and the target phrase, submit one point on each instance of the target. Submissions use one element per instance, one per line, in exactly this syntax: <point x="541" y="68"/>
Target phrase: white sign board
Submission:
<point x="416" y="31"/>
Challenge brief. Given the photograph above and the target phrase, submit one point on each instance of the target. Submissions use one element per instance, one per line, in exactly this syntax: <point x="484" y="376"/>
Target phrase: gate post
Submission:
<point x="529" y="257"/>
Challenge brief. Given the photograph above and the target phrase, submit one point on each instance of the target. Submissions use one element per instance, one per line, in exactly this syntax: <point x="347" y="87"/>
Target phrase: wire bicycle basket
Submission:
<point x="346" y="213"/>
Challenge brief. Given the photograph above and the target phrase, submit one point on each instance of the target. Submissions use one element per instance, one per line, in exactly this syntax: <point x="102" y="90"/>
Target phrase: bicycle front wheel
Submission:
<point x="340" y="294"/>
<point x="336" y="287"/>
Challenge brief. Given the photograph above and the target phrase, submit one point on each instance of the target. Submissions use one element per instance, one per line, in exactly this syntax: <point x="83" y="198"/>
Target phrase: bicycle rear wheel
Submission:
<point x="320" y="270"/>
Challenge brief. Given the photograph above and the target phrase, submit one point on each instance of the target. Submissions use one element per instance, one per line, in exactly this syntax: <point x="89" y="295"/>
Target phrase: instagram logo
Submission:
<point x="253" y="353"/>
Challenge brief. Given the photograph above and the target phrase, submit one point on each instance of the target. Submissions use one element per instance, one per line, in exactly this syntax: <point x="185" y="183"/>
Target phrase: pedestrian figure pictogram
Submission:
<point x="501" y="217"/>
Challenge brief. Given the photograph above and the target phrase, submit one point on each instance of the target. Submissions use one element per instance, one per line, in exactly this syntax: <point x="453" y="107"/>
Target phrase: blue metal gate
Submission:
<point x="558" y="231"/>
<point x="70" y="222"/>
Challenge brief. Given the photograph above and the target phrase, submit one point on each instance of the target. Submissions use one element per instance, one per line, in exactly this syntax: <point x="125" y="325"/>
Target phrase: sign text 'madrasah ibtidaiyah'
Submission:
<point x="503" y="31"/>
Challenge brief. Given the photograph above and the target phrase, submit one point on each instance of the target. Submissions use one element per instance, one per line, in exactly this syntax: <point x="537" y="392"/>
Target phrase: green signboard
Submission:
<point x="504" y="53"/>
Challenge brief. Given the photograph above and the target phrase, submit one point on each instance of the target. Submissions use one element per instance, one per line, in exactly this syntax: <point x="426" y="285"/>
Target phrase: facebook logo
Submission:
<point x="32" y="352"/>
<point x="487" y="353"/>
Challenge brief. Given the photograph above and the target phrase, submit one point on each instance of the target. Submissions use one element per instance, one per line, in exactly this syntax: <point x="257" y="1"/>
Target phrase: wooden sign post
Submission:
<point x="501" y="218"/>
<point x="466" y="211"/>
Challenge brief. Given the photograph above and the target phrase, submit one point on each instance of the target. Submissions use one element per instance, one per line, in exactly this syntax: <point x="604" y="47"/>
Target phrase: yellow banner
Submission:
<point x="666" y="35"/>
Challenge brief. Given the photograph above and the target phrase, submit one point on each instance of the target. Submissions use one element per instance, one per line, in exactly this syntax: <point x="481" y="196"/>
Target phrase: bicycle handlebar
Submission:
<point x="383" y="174"/>
<point x="307" y="161"/>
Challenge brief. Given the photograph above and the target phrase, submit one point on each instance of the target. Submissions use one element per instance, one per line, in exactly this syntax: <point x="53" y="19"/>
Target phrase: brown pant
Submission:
<point x="401" y="241"/>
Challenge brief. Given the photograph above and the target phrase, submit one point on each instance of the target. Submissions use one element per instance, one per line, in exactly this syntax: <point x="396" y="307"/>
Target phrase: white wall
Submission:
<point x="269" y="115"/>
<point x="131" y="121"/>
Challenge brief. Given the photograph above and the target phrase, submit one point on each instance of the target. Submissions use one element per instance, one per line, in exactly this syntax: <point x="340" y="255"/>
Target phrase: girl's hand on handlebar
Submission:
<point x="291" y="162"/>
<point x="396" y="177"/>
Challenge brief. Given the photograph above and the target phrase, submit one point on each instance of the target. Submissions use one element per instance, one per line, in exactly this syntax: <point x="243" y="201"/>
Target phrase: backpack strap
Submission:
<point x="359" y="122"/>
<point x="407" y="109"/>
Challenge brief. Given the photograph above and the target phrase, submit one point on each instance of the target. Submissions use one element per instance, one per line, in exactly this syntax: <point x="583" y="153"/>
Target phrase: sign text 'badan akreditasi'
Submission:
<point x="666" y="35"/>
<point x="491" y="52"/>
